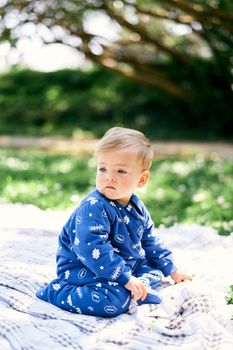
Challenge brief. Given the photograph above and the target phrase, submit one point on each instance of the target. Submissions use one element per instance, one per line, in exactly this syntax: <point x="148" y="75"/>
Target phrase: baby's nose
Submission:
<point x="110" y="178"/>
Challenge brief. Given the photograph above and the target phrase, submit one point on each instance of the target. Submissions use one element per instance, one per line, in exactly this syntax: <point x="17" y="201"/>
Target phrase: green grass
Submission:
<point x="192" y="190"/>
<point x="229" y="297"/>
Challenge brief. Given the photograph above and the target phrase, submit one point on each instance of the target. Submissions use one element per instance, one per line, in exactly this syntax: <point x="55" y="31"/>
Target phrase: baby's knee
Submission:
<point x="117" y="301"/>
<point x="122" y="305"/>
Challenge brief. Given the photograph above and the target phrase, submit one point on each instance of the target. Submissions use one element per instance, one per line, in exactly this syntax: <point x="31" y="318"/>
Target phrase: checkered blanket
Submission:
<point x="193" y="316"/>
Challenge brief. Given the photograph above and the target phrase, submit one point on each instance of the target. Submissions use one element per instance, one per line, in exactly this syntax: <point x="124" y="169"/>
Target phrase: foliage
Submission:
<point x="230" y="296"/>
<point x="193" y="190"/>
<point x="150" y="34"/>
<point x="66" y="101"/>
<point x="53" y="181"/>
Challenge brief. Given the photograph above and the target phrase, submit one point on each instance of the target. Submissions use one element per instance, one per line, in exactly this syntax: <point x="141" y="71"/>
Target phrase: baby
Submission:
<point x="108" y="254"/>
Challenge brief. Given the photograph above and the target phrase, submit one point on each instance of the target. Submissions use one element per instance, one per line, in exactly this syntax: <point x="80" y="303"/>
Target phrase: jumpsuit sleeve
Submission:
<point x="156" y="253"/>
<point x="92" y="245"/>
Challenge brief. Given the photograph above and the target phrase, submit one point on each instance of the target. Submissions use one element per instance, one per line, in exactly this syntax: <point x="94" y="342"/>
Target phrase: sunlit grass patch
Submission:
<point x="45" y="180"/>
<point x="192" y="190"/>
<point x="195" y="190"/>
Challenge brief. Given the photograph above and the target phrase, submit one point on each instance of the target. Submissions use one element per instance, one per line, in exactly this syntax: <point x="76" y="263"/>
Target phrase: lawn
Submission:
<point x="190" y="190"/>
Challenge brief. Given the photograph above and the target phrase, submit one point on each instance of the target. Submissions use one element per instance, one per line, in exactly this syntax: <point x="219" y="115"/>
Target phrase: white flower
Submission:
<point x="96" y="253"/>
<point x="126" y="219"/>
<point x="69" y="300"/>
<point x="76" y="241"/>
<point x="56" y="286"/>
<point x="129" y="207"/>
<point x="92" y="200"/>
<point x="79" y="292"/>
<point x="67" y="274"/>
<point x="199" y="196"/>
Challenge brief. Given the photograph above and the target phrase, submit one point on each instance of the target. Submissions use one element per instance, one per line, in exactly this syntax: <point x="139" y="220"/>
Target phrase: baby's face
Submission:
<point x="118" y="174"/>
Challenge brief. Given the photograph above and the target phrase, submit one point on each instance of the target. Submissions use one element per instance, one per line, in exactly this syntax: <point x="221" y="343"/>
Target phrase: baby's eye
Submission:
<point x="120" y="171"/>
<point x="102" y="170"/>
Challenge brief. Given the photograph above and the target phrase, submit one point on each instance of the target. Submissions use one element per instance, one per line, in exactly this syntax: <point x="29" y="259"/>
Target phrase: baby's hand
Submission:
<point x="138" y="289"/>
<point x="180" y="277"/>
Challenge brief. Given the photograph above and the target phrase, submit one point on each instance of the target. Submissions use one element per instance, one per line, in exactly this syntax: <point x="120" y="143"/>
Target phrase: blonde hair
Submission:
<point x="120" y="138"/>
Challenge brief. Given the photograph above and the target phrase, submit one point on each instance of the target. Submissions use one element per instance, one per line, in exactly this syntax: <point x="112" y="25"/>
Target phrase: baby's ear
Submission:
<point x="144" y="178"/>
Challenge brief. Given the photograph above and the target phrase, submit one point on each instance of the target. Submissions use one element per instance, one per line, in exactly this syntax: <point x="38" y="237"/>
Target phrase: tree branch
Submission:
<point x="138" y="73"/>
<point x="210" y="16"/>
<point x="136" y="28"/>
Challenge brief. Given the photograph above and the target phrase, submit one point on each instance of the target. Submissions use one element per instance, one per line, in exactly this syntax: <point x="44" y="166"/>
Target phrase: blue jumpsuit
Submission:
<point x="100" y="247"/>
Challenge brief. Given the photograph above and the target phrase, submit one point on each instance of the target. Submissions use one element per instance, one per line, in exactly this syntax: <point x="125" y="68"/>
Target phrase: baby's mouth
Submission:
<point x="110" y="187"/>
